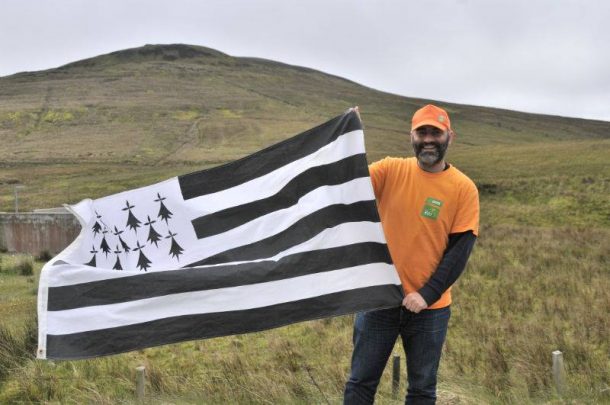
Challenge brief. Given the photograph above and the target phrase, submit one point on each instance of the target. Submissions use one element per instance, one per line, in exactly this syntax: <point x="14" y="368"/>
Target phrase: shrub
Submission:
<point x="25" y="267"/>
<point x="44" y="256"/>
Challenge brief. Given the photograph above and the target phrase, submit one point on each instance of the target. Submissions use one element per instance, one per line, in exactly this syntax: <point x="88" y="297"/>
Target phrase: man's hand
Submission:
<point x="414" y="302"/>
<point x="356" y="110"/>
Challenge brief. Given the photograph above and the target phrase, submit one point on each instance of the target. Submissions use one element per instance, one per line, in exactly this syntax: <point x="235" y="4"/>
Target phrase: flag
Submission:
<point x="287" y="234"/>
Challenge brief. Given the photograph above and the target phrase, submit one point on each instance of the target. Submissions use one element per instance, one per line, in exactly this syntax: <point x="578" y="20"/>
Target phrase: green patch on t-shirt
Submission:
<point x="432" y="208"/>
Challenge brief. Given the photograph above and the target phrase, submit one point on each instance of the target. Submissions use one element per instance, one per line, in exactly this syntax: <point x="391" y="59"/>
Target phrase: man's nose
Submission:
<point x="428" y="137"/>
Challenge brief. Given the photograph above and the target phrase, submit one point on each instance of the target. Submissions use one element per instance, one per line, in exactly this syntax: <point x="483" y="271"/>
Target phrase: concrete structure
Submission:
<point x="36" y="232"/>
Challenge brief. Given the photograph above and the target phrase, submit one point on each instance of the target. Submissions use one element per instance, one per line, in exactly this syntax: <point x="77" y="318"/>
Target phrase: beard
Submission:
<point x="430" y="157"/>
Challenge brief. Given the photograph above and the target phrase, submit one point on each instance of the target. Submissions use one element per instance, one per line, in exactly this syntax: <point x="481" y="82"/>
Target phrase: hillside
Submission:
<point x="538" y="279"/>
<point x="187" y="103"/>
<point x="176" y="105"/>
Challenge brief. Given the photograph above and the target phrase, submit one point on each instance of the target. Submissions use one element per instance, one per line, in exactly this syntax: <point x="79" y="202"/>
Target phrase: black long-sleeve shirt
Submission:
<point x="451" y="266"/>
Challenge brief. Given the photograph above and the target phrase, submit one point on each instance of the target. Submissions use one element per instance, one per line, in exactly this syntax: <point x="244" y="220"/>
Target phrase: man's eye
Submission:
<point x="433" y="132"/>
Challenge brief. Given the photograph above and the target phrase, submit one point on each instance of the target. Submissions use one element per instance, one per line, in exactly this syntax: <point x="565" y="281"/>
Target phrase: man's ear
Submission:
<point x="451" y="136"/>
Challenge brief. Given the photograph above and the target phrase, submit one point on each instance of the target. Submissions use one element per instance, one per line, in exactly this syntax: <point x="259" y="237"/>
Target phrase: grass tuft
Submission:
<point x="17" y="345"/>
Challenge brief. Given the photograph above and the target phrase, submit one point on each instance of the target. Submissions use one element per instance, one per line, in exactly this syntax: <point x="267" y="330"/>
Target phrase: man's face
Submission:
<point x="429" y="144"/>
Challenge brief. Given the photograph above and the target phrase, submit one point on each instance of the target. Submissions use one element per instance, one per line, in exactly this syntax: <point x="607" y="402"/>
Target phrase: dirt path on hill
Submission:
<point x="189" y="140"/>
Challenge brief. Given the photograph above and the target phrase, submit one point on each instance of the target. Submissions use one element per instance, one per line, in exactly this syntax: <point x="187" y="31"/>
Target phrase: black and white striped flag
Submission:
<point x="288" y="234"/>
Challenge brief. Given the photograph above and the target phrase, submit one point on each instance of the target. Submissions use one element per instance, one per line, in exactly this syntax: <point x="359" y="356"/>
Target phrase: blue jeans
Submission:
<point x="375" y="333"/>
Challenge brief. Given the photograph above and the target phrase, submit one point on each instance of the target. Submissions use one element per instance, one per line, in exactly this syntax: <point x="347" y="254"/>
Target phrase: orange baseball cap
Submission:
<point x="431" y="115"/>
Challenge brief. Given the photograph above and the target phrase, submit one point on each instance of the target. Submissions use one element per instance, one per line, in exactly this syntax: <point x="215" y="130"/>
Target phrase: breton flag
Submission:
<point x="288" y="234"/>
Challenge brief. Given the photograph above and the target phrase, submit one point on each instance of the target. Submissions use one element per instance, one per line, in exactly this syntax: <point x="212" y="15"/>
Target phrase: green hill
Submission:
<point x="163" y="107"/>
<point x="538" y="279"/>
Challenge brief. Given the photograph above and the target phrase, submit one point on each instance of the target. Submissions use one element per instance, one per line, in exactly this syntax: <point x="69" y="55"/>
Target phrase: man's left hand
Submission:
<point x="414" y="302"/>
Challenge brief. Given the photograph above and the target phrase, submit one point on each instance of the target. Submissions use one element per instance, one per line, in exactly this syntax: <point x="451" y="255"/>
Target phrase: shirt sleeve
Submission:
<point x="450" y="268"/>
<point x="378" y="172"/>
<point x="467" y="215"/>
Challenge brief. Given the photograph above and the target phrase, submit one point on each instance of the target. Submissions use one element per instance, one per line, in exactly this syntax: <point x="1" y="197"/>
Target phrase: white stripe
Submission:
<point x="220" y="300"/>
<point x="343" y="234"/>
<point x="348" y="144"/>
<point x="278" y="221"/>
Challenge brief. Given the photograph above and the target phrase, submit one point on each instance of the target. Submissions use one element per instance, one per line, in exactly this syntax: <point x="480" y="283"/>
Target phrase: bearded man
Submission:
<point x="430" y="215"/>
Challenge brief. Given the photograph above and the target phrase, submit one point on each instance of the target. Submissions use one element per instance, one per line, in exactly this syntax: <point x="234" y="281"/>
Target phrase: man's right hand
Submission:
<point x="414" y="302"/>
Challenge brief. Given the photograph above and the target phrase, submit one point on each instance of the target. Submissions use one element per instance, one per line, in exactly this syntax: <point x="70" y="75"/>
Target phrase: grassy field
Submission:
<point x="538" y="279"/>
<point x="528" y="290"/>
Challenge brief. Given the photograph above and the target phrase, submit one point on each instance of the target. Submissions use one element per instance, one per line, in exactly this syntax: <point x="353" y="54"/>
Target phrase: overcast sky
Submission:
<point x="547" y="56"/>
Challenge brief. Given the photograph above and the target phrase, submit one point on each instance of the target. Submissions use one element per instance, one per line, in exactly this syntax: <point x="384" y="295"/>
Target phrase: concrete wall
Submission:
<point x="32" y="232"/>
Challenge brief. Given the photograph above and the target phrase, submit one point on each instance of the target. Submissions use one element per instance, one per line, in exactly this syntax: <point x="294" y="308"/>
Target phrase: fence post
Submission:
<point x="17" y="188"/>
<point x="558" y="372"/>
<point x="140" y="382"/>
<point x="395" y="375"/>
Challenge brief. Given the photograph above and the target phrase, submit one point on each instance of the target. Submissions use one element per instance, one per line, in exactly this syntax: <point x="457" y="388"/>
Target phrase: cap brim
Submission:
<point x="430" y="122"/>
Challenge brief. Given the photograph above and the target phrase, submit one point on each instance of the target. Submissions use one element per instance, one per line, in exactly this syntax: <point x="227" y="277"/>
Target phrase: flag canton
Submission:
<point x="137" y="230"/>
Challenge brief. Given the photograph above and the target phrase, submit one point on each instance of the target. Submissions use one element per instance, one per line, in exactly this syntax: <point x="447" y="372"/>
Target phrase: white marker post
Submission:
<point x="140" y="382"/>
<point x="558" y="372"/>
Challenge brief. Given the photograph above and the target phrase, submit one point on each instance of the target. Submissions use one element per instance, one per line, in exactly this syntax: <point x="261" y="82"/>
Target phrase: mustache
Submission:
<point x="421" y="145"/>
<point x="430" y="156"/>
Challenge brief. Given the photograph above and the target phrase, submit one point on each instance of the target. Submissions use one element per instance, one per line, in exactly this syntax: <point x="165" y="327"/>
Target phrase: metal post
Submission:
<point x="395" y="376"/>
<point x="558" y="372"/>
<point x="140" y="382"/>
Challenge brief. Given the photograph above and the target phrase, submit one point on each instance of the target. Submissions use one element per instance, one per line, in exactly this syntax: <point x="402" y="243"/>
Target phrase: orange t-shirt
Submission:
<point x="418" y="211"/>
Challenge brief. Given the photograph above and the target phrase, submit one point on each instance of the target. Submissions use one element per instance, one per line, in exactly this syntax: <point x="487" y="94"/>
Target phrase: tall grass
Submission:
<point x="538" y="281"/>
<point x="527" y="291"/>
<point x="17" y="346"/>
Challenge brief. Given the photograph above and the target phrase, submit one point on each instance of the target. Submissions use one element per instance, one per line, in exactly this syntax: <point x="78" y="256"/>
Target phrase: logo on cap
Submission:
<point x="441" y="118"/>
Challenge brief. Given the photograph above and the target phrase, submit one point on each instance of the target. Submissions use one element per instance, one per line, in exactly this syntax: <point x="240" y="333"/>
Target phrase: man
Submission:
<point x="430" y="215"/>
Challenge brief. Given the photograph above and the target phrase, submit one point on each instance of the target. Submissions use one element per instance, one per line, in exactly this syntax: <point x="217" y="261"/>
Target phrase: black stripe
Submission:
<point x="267" y="160"/>
<point x="330" y="174"/>
<point x="299" y="232"/>
<point x="177" y="329"/>
<point x="159" y="283"/>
